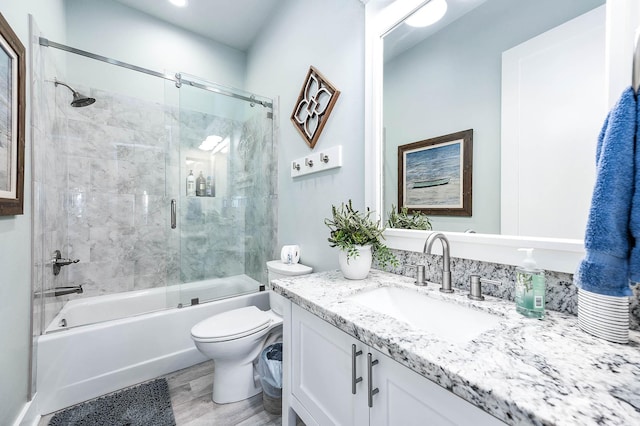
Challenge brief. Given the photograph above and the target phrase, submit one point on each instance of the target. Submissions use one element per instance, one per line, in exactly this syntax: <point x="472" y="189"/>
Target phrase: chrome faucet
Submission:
<point x="59" y="291"/>
<point x="446" y="262"/>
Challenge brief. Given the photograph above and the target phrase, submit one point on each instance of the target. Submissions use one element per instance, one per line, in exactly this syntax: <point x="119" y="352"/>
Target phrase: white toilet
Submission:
<point x="234" y="340"/>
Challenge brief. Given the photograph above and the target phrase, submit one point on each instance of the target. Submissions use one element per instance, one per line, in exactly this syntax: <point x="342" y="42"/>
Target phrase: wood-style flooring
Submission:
<point x="190" y="391"/>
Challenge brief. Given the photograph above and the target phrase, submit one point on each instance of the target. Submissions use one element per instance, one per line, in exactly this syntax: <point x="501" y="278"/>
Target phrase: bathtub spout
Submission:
<point x="59" y="291"/>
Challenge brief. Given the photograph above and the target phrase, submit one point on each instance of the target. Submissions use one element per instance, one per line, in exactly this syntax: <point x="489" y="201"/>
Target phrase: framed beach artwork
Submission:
<point x="12" y="116"/>
<point x="434" y="175"/>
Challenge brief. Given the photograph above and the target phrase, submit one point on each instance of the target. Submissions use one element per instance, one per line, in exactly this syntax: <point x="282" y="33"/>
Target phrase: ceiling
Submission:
<point x="404" y="37"/>
<point x="235" y="23"/>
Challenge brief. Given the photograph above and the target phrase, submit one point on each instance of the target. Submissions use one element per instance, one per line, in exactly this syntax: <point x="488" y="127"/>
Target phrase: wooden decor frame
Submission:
<point x="12" y="120"/>
<point x="314" y="105"/>
<point x="435" y="175"/>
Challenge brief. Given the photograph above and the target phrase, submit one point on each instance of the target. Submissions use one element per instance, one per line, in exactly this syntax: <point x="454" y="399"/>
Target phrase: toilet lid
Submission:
<point x="292" y="269"/>
<point x="231" y="324"/>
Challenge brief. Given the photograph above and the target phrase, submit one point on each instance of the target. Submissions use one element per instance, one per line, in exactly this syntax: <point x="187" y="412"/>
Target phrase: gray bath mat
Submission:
<point x="143" y="405"/>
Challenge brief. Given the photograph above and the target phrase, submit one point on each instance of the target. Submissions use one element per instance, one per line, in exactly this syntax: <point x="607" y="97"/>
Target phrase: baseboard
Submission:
<point x="29" y="415"/>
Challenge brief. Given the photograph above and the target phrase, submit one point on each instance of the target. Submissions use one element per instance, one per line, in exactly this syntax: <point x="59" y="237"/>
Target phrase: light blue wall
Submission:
<point x="328" y="34"/>
<point x="109" y="28"/>
<point x="15" y="236"/>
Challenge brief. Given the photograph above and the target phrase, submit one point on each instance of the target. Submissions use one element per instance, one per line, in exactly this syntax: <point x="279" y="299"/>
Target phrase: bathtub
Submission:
<point x="109" y="345"/>
<point x="91" y="310"/>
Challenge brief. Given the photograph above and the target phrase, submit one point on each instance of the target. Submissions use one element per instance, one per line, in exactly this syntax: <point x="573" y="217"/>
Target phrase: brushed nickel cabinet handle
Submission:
<point x="371" y="390"/>
<point x="354" y="380"/>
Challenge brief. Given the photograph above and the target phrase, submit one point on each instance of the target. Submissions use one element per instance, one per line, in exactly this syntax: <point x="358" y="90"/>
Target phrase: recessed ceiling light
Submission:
<point x="428" y="14"/>
<point x="179" y="3"/>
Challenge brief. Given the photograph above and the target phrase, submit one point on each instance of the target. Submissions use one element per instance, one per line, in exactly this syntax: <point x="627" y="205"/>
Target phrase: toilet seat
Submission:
<point x="231" y="325"/>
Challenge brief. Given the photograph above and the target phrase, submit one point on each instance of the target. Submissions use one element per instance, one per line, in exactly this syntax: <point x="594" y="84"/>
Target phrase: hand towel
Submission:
<point x="634" y="219"/>
<point x="608" y="240"/>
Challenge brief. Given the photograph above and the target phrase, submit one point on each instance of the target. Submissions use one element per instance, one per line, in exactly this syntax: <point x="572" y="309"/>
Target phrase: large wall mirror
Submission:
<point x="529" y="78"/>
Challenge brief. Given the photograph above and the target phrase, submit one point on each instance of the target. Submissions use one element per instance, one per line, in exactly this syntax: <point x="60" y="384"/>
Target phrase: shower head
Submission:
<point x="79" y="100"/>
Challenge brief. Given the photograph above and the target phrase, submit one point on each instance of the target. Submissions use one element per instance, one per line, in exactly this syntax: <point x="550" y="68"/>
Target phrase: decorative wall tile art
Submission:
<point x="314" y="105"/>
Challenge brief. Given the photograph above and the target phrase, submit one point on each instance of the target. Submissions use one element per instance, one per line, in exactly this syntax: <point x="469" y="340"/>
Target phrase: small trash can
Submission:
<point x="270" y="371"/>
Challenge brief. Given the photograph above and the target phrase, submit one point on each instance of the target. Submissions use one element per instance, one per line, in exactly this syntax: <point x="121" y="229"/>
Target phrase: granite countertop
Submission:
<point x="525" y="371"/>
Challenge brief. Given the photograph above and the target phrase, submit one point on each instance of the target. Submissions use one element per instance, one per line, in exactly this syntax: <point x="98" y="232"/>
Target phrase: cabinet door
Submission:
<point x="406" y="398"/>
<point x="321" y="377"/>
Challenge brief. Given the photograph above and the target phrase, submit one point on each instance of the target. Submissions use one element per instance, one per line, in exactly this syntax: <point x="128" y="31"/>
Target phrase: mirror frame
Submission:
<point x="554" y="254"/>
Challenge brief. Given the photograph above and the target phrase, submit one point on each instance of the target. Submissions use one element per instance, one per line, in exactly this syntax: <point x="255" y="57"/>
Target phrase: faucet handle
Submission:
<point x="58" y="261"/>
<point x="475" y="286"/>
<point x="420" y="275"/>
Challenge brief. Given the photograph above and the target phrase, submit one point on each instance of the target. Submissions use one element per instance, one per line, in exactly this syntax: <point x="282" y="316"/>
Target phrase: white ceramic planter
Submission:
<point x="356" y="268"/>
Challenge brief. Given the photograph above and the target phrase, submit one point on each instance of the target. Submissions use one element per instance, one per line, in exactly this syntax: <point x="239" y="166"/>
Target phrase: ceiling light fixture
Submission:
<point x="428" y="14"/>
<point x="179" y="3"/>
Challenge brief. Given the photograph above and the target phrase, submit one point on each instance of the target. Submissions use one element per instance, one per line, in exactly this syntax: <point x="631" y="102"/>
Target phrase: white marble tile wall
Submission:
<point x="561" y="294"/>
<point x="116" y="197"/>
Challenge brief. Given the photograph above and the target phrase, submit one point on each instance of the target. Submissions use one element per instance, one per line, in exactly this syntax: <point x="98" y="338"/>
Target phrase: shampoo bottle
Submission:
<point x="209" y="190"/>
<point x="201" y="185"/>
<point x="530" y="287"/>
<point x="191" y="184"/>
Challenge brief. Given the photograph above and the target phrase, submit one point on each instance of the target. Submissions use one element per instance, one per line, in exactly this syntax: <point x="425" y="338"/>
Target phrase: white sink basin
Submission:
<point x="447" y="321"/>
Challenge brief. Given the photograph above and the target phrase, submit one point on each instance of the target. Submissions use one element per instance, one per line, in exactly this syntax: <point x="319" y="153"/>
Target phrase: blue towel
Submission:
<point x="634" y="219"/>
<point x="608" y="240"/>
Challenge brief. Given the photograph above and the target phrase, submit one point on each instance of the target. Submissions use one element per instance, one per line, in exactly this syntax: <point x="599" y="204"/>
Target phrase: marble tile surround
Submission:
<point x="561" y="294"/>
<point x="103" y="180"/>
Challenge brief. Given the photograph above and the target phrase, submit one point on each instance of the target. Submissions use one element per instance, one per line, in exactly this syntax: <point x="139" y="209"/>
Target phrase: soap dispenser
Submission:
<point x="530" y="287"/>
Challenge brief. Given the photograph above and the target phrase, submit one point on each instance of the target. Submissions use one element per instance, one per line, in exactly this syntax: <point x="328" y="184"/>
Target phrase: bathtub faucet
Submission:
<point x="59" y="291"/>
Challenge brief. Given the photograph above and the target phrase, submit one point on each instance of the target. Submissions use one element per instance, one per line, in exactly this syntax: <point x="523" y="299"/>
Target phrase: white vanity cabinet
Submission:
<point x="326" y="361"/>
<point x="322" y="372"/>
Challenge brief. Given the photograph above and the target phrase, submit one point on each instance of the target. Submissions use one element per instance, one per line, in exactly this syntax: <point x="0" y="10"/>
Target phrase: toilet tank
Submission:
<point x="278" y="269"/>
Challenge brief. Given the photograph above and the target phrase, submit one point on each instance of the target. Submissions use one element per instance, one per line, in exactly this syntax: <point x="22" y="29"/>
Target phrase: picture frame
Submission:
<point x="314" y="105"/>
<point x="12" y="120"/>
<point x="435" y="175"/>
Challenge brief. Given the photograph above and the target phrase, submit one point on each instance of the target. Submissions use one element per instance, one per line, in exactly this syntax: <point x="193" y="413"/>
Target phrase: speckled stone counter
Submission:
<point x="525" y="371"/>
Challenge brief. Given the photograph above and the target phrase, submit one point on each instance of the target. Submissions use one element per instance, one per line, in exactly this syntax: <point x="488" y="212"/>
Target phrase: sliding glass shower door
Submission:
<point x="223" y="181"/>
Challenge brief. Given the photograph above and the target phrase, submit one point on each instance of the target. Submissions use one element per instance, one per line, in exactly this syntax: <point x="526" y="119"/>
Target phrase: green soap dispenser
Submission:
<point x="530" y="288"/>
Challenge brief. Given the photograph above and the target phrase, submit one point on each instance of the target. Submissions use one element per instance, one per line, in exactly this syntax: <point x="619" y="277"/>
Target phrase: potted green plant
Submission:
<point x="359" y="238"/>
<point x="404" y="220"/>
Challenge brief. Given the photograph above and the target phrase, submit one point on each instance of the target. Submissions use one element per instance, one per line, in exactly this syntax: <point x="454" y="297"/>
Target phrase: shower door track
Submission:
<point x="176" y="78"/>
